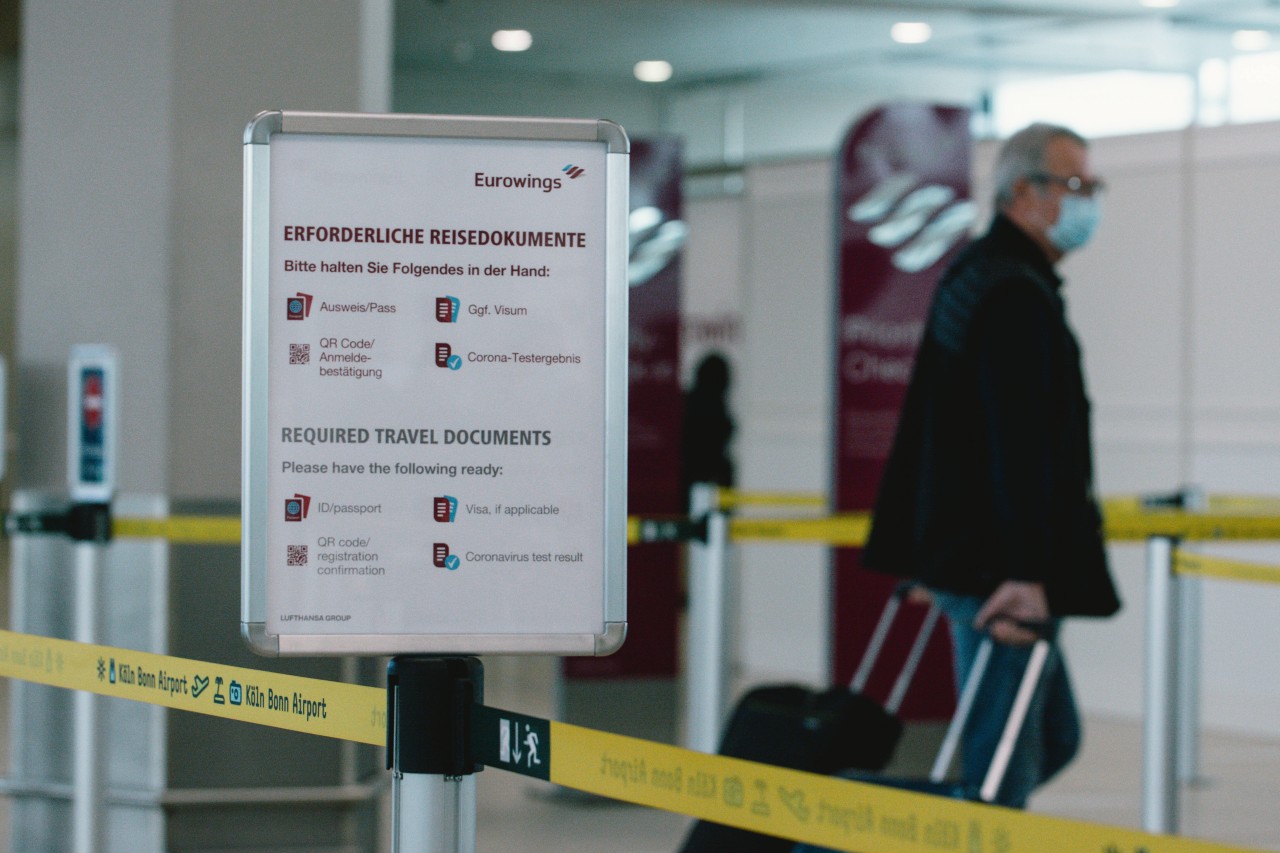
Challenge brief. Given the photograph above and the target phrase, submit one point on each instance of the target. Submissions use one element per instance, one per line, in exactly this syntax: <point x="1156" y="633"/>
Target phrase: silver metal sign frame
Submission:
<point x="257" y="393"/>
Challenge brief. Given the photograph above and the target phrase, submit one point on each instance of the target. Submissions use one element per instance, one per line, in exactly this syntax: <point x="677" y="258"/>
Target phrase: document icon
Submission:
<point x="439" y="554"/>
<point x="447" y="309"/>
<point x="443" y="351"/>
<point x="445" y="509"/>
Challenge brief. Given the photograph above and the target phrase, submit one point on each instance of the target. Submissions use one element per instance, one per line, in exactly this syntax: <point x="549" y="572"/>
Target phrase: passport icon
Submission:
<point x="298" y="306"/>
<point x="296" y="507"/>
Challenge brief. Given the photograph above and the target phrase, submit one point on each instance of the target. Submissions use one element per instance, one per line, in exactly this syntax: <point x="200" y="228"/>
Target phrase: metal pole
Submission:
<point x="1159" y="770"/>
<point x="706" y="664"/>
<point x="1190" y="591"/>
<point x="1189" y="622"/>
<point x="433" y="788"/>
<point x="433" y="814"/>
<point x="86" y="774"/>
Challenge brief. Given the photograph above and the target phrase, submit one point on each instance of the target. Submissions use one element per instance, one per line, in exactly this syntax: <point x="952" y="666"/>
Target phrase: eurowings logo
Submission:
<point x="922" y="222"/>
<point x="573" y="171"/>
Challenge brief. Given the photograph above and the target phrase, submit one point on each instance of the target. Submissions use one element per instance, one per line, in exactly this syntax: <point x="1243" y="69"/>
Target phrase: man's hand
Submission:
<point x="1011" y="603"/>
<point x="920" y="594"/>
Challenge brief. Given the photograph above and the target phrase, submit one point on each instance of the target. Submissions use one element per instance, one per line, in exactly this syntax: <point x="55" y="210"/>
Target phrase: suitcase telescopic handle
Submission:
<point x="878" y="636"/>
<point x="999" y="766"/>
<point x="899" y="692"/>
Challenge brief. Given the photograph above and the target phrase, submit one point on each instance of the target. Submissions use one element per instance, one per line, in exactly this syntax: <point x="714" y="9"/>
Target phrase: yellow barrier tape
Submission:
<point x="851" y="530"/>
<point x="1185" y="563"/>
<point x="1255" y="504"/>
<point x="181" y="529"/>
<point x="1130" y="527"/>
<point x="1260" y="504"/>
<point x="732" y="498"/>
<point x="823" y="810"/>
<point x="840" y="530"/>
<point x="331" y="709"/>
<point x="805" y="807"/>
<point x="1125" y="521"/>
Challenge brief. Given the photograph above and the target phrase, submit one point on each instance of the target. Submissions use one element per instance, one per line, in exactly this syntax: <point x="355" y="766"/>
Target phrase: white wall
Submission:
<point x="1175" y="306"/>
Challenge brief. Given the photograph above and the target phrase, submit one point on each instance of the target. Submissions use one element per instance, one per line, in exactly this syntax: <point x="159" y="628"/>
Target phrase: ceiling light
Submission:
<point x="1159" y="4"/>
<point x="1251" y="39"/>
<point x="512" y="40"/>
<point x="653" y="71"/>
<point x="911" y="32"/>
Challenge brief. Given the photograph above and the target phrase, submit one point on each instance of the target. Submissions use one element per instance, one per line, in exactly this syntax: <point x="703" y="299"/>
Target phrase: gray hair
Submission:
<point x="1022" y="155"/>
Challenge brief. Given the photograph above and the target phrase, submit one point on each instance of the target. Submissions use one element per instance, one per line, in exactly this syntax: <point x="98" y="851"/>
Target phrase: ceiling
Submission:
<point x="818" y="42"/>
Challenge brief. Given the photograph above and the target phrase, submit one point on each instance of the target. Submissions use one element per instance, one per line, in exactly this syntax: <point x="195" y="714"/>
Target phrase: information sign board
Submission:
<point x="435" y="382"/>
<point x="91" y="423"/>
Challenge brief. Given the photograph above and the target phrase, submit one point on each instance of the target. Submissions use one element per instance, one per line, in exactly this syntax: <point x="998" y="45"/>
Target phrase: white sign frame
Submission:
<point x="596" y="620"/>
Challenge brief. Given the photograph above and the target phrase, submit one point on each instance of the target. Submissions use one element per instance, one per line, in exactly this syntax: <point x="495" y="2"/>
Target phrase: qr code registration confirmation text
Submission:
<point x="299" y="353"/>
<point x="297" y="555"/>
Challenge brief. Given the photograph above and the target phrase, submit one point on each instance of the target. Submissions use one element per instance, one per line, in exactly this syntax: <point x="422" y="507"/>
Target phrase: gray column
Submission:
<point x="129" y="182"/>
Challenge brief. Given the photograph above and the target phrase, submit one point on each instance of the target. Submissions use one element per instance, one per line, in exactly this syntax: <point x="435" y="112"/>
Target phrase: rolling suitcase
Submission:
<point x="821" y="731"/>
<point x="936" y="783"/>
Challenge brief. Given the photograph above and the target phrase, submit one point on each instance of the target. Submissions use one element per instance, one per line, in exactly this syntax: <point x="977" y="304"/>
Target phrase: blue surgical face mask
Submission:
<point x="1077" y="219"/>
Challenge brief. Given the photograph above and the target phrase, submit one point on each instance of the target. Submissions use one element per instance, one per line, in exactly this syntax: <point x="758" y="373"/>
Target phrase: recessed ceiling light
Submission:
<point x="1251" y="39"/>
<point x="512" y="41"/>
<point x="1159" y="4"/>
<point x="653" y="71"/>
<point x="911" y="32"/>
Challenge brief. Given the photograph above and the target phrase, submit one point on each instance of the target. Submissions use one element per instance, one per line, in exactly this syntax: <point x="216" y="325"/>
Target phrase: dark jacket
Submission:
<point x="991" y="474"/>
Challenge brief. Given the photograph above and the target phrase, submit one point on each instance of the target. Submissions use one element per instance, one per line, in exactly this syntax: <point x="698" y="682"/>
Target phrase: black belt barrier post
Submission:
<point x="429" y="711"/>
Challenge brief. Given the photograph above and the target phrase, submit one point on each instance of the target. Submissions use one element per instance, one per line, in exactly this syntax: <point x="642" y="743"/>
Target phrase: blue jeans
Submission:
<point x="1051" y="736"/>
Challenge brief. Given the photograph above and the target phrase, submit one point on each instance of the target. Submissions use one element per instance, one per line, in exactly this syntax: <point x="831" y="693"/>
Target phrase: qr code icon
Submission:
<point x="299" y="353"/>
<point x="297" y="555"/>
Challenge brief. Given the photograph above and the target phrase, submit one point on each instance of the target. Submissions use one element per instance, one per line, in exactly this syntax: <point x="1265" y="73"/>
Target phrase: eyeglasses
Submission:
<point x="1074" y="185"/>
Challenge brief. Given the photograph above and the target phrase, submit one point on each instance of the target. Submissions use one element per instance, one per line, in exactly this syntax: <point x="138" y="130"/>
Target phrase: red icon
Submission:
<point x="296" y="507"/>
<point x="445" y="509"/>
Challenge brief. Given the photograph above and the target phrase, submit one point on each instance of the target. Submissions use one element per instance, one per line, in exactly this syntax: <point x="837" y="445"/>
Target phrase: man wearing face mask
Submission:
<point x="988" y="495"/>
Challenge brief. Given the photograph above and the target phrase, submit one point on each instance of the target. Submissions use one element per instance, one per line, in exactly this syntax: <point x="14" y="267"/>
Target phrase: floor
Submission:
<point x="1235" y="802"/>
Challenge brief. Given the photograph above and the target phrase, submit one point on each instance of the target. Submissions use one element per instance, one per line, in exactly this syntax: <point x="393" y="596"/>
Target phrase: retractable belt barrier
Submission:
<point x="225" y="529"/>
<point x="182" y="529"/>
<point x="1203" y="565"/>
<point x="1126" y="519"/>
<point x="822" y="810"/>
<point x="805" y="807"/>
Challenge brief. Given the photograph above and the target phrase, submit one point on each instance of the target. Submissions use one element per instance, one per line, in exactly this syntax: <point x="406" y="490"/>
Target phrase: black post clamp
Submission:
<point x="674" y="529"/>
<point x="83" y="522"/>
<point x="429" y="714"/>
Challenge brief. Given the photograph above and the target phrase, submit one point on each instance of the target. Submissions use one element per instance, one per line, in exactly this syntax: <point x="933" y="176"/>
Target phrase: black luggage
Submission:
<point x="936" y="783"/>
<point x="821" y="731"/>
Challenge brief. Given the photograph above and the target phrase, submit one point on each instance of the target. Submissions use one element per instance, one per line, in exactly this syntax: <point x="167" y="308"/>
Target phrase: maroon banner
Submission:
<point x="653" y="455"/>
<point x="902" y="196"/>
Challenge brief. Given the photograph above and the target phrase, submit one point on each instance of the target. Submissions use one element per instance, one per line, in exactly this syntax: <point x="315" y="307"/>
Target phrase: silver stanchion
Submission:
<point x="706" y="657"/>
<point x="1190" y="625"/>
<point x="1159" y="764"/>
<point x="433" y="787"/>
<point x="91" y="478"/>
<point x="87" y="743"/>
<point x="1189" y="629"/>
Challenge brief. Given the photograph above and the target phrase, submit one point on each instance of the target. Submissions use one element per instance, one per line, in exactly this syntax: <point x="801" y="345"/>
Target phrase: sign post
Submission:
<point x="435" y="406"/>
<point x="91" y="479"/>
